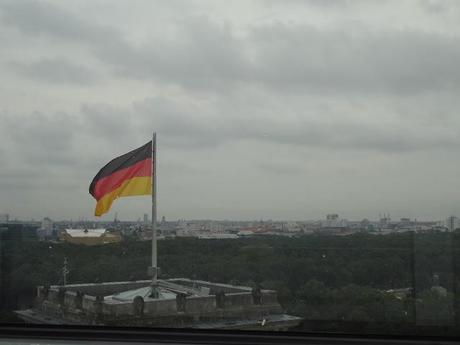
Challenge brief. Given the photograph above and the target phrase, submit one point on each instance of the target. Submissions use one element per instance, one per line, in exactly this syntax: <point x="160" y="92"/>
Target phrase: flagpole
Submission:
<point x="154" y="210"/>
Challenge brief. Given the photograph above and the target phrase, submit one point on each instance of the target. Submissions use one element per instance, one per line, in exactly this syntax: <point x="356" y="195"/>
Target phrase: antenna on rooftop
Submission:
<point x="65" y="271"/>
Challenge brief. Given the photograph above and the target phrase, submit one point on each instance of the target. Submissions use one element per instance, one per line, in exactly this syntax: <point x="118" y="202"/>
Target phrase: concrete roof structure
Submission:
<point x="178" y="302"/>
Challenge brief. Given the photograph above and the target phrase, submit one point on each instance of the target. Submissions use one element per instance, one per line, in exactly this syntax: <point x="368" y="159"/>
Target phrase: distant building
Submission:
<point x="246" y="232"/>
<point x="4" y="217"/>
<point x="332" y="216"/>
<point x="216" y="227"/>
<point x="452" y="223"/>
<point x="88" y="237"/>
<point x="11" y="232"/>
<point x="216" y="236"/>
<point x="385" y="220"/>
<point x="167" y="229"/>
<point x="291" y="227"/>
<point x="333" y="221"/>
<point x="45" y="232"/>
<point x="47" y="226"/>
<point x="405" y="221"/>
<point x="146" y="218"/>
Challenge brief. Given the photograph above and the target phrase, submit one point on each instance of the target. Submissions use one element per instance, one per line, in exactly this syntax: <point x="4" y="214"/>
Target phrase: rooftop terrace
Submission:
<point x="176" y="302"/>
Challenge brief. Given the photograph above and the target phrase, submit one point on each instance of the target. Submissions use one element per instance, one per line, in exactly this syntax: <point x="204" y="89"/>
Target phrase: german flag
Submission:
<point x="127" y="175"/>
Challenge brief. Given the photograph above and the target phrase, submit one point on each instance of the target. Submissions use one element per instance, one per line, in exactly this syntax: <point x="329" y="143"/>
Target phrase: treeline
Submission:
<point x="322" y="278"/>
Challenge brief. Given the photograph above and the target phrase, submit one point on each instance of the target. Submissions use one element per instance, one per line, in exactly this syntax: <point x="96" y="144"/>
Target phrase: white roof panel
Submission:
<point x="85" y="232"/>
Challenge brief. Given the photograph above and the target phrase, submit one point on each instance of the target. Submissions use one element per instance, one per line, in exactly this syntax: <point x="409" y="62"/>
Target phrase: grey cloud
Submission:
<point x="44" y="151"/>
<point x="435" y="6"/>
<point x="181" y="126"/>
<point x="319" y="3"/>
<point x="289" y="58"/>
<point x="206" y="54"/>
<point x="327" y="3"/>
<point x="201" y="54"/>
<point x="42" y="18"/>
<point x="70" y="149"/>
<point x="42" y="139"/>
<point x="190" y="127"/>
<point x="358" y="136"/>
<point x="339" y="109"/>
<point x="105" y="121"/>
<point x="56" y="70"/>
<point x="324" y="61"/>
<point x="286" y="57"/>
<point x="54" y="144"/>
<point x="281" y="168"/>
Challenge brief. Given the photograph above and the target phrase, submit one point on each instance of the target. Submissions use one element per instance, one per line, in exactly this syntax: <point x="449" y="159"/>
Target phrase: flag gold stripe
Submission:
<point x="134" y="186"/>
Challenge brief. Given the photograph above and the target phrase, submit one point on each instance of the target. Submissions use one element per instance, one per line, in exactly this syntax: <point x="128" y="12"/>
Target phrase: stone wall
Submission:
<point x="238" y="299"/>
<point x="162" y="307"/>
<point x="197" y="305"/>
<point x="269" y="297"/>
<point x="88" y="303"/>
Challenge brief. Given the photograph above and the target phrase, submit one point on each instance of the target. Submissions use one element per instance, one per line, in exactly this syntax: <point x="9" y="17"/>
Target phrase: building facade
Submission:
<point x="89" y="237"/>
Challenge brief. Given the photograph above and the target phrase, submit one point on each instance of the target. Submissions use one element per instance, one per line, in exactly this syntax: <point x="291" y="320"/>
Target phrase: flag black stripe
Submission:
<point x="123" y="162"/>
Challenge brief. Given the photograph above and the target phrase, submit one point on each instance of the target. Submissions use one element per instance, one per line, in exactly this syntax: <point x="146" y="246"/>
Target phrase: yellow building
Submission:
<point x="88" y="237"/>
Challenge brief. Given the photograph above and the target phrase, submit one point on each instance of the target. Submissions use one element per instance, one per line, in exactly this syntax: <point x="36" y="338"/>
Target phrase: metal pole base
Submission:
<point x="153" y="272"/>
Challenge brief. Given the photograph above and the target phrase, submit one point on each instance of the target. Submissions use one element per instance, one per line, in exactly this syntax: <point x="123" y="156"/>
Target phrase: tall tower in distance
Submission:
<point x="4" y="218"/>
<point x="452" y="223"/>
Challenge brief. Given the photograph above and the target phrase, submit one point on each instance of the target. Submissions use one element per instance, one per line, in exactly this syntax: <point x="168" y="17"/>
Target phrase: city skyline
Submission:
<point x="6" y="217"/>
<point x="281" y="110"/>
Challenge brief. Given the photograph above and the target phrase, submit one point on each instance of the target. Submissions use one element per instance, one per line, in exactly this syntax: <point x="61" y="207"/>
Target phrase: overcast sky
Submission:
<point x="263" y="109"/>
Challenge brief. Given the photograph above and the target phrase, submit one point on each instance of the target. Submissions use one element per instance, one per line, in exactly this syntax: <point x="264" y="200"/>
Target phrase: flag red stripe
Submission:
<point x="108" y="183"/>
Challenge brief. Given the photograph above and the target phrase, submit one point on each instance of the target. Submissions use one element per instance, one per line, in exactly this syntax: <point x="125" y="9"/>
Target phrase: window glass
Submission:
<point x="246" y="165"/>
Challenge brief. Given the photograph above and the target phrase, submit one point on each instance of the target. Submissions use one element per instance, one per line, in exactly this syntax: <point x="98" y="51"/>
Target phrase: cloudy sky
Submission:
<point x="263" y="109"/>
